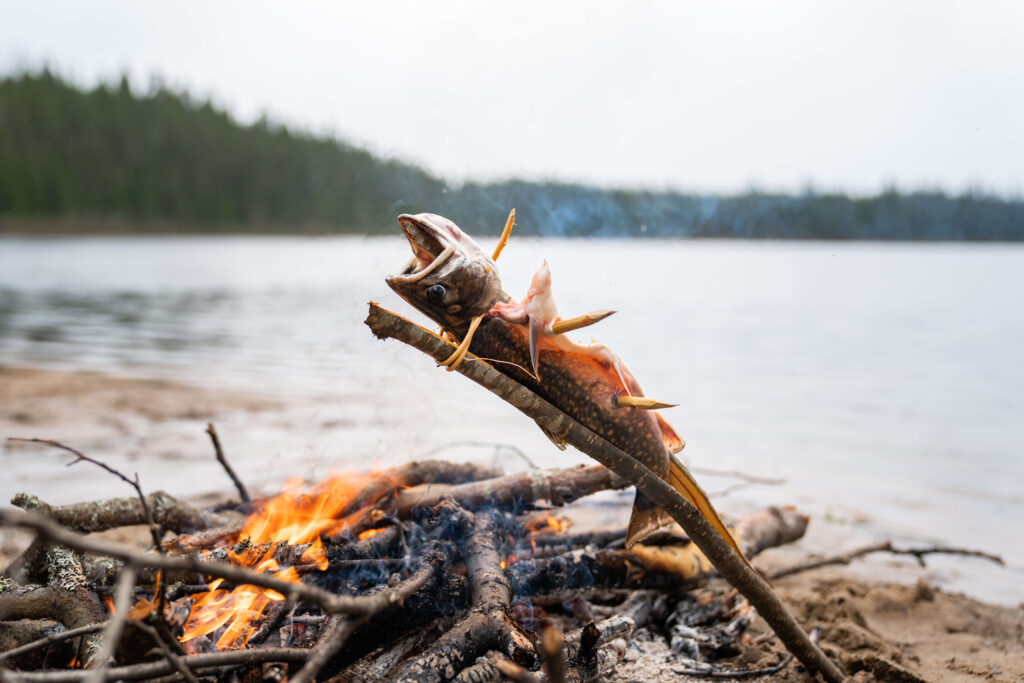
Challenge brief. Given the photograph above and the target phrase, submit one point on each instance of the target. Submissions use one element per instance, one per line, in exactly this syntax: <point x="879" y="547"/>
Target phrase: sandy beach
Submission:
<point x="883" y="617"/>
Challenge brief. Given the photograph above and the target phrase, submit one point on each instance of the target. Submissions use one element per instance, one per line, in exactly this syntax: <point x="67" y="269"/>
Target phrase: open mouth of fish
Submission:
<point x="430" y="248"/>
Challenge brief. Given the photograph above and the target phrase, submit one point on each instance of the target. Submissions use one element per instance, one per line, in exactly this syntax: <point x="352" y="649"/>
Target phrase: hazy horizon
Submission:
<point x="696" y="97"/>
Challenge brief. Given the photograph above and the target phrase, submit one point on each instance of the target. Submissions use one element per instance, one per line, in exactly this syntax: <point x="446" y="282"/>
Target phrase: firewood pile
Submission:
<point x="432" y="571"/>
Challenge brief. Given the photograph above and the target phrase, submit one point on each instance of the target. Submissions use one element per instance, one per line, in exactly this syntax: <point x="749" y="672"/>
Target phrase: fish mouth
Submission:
<point x="430" y="247"/>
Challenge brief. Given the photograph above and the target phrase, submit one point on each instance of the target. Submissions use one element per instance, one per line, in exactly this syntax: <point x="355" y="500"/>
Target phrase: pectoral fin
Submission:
<point x="683" y="482"/>
<point x="536" y="330"/>
<point x="645" y="520"/>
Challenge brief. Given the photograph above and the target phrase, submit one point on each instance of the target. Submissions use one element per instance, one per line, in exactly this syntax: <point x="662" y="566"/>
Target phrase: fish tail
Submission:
<point x="683" y="482"/>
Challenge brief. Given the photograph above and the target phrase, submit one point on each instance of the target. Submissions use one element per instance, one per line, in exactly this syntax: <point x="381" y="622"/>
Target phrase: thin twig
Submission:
<point x="329" y="602"/>
<point x="53" y="638"/>
<point x="496" y="445"/>
<point x="219" y="452"/>
<point x="146" y="670"/>
<point x="735" y="474"/>
<point x="338" y="630"/>
<point x="883" y="547"/>
<point x="154" y="529"/>
<point x="554" y="656"/>
<point x="112" y="634"/>
<point x="515" y="673"/>
<point x="173" y="657"/>
<point x="386" y="324"/>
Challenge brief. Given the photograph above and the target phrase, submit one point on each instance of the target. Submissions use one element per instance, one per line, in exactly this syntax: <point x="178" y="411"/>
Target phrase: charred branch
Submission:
<point x="149" y="670"/>
<point x="486" y="627"/>
<point x="329" y="602"/>
<point x="512" y="492"/>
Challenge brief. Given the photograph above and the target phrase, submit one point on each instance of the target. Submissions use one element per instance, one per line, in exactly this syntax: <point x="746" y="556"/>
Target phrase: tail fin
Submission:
<point x="683" y="482"/>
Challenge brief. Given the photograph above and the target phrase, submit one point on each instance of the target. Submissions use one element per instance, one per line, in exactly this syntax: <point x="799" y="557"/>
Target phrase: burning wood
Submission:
<point x="428" y="572"/>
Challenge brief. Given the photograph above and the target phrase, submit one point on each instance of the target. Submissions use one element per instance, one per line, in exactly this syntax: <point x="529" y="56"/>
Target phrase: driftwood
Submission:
<point x="385" y="324"/>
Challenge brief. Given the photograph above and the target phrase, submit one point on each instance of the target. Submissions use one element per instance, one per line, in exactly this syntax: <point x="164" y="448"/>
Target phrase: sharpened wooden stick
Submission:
<point x="580" y="321"/>
<point x="642" y="402"/>
<point x="386" y="324"/>
<point x="503" y="240"/>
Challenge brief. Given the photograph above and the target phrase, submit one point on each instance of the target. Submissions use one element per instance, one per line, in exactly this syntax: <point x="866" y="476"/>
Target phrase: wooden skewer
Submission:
<point x="642" y="402"/>
<point x="504" y="234"/>
<point x="585" y="320"/>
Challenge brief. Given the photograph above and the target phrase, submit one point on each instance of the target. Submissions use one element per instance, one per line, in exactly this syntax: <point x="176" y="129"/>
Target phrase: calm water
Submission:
<point x="882" y="381"/>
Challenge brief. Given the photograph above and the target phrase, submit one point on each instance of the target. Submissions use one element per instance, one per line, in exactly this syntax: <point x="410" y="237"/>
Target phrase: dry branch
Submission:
<point x="385" y="482"/>
<point x="329" y="602"/>
<point x="385" y="324"/>
<point x="67" y="597"/>
<point x="154" y="529"/>
<point x="883" y="547"/>
<point x="136" y="672"/>
<point x="112" y="634"/>
<point x="218" y="452"/>
<point x="100" y="515"/>
<point x="559" y="487"/>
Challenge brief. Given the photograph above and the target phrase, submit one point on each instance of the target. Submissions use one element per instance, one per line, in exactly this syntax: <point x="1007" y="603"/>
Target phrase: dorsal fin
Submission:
<point x="673" y="442"/>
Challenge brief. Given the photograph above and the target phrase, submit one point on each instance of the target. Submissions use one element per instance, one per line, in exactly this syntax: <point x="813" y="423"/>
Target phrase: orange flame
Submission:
<point x="548" y="524"/>
<point x="295" y="518"/>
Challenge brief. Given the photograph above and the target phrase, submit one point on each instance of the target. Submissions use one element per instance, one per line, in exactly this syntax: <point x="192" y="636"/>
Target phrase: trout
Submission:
<point x="452" y="280"/>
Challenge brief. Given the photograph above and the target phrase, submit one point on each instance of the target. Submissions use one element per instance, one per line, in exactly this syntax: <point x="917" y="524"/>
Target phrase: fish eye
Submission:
<point x="435" y="294"/>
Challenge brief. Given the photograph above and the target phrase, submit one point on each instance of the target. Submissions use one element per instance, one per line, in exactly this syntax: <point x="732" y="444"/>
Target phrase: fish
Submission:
<point x="453" y="281"/>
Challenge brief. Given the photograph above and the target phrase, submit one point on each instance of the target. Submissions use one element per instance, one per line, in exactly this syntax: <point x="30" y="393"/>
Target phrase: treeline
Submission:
<point x="161" y="158"/>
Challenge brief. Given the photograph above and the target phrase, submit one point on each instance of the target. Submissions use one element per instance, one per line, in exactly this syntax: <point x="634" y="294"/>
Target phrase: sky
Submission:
<point x="715" y="96"/>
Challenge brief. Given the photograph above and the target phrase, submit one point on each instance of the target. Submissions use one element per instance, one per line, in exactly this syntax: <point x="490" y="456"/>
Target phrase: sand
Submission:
<point x="891" y="626"/>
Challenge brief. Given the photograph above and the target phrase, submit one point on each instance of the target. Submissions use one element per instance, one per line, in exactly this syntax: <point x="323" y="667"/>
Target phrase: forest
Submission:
<point x="116" y="159"/>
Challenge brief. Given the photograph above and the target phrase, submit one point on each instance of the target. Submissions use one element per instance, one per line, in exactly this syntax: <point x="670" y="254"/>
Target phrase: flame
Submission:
<point x="548" y="524"/>
<point x="295" y="517"/>
<point x="368" y="533"/>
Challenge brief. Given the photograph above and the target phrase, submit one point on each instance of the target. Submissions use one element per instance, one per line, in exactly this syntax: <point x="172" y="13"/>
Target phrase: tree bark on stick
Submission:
<point x="386" y="324"/>
<point x="559" y="487"/>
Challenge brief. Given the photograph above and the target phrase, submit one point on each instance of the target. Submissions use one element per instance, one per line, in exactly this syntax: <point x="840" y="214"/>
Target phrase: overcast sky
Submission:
<point x="702" y="95"/>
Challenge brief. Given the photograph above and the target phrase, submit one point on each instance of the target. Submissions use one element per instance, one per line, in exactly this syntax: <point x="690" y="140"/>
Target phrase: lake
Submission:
<point x="882" y="382"/>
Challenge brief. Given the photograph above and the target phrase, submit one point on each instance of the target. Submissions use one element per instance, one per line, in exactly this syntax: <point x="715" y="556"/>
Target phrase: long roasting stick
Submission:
<point x="384" y="324"/>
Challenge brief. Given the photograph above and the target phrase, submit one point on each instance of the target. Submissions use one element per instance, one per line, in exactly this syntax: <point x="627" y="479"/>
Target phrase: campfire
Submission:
<point x="430" y="571"/>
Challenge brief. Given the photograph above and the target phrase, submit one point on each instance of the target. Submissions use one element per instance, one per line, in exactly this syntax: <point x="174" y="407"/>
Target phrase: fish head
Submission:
<point x="449" y="277"/>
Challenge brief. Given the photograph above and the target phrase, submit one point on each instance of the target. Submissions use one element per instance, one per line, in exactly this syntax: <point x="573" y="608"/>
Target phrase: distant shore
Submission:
<point x="164" y="156"/>
<point x="72" y="226"/>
